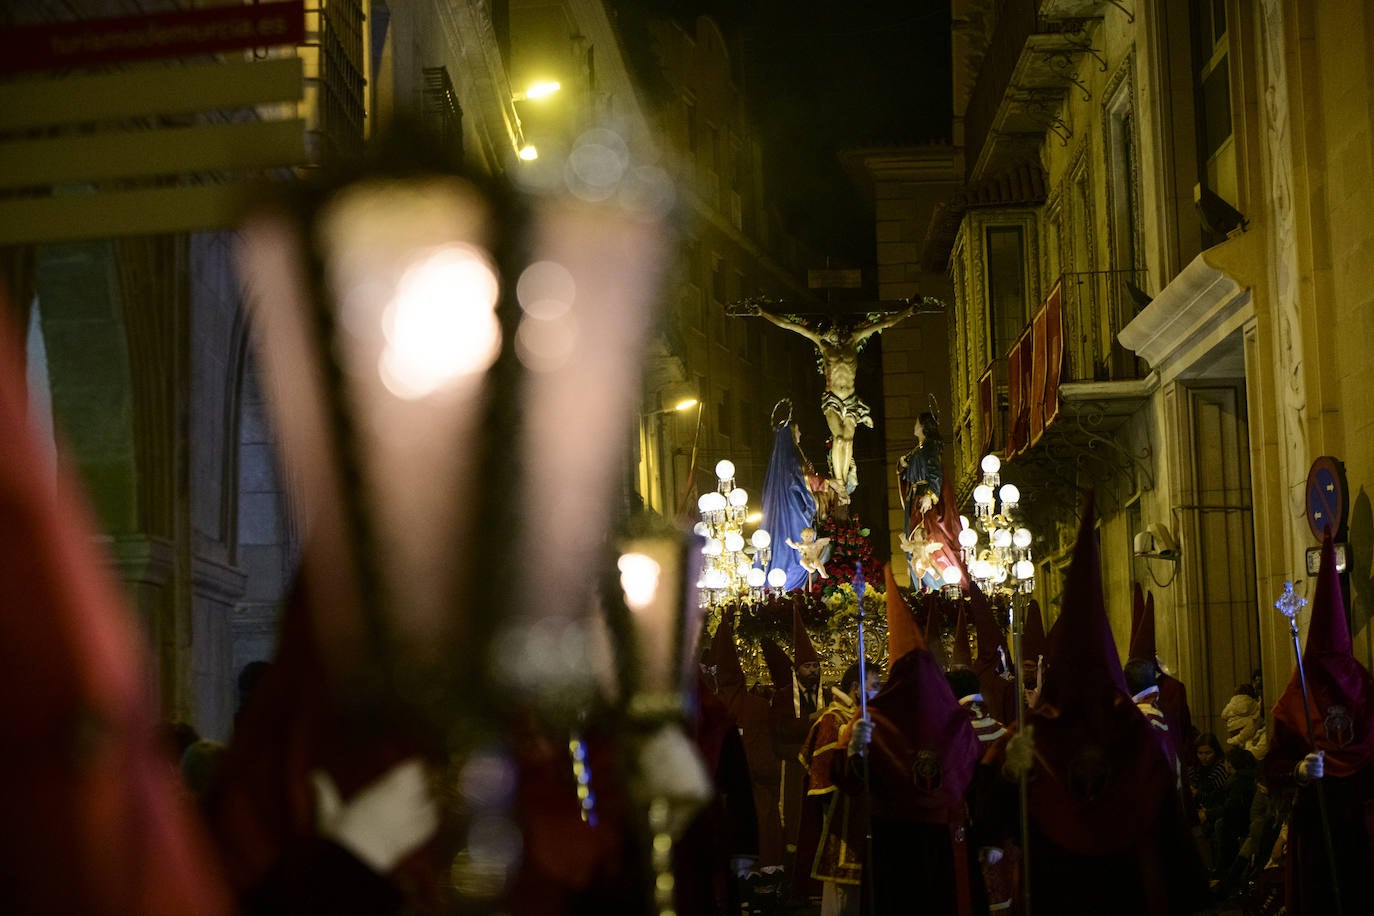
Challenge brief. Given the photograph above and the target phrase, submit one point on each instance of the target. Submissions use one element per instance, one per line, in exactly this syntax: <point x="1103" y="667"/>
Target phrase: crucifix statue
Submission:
<point x="838" y="346"/>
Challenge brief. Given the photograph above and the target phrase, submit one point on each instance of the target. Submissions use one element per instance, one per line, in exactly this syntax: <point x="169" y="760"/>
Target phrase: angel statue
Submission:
<point x="811" y="552"/>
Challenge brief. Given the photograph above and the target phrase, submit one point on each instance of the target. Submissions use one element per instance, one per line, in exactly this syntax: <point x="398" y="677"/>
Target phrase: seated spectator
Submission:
<point x="1233" y="825"/>
<point x="1207" y="780"/>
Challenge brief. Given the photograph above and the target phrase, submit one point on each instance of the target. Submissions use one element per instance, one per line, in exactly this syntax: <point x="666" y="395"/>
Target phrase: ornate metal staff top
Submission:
<point x="1289" y="603"/>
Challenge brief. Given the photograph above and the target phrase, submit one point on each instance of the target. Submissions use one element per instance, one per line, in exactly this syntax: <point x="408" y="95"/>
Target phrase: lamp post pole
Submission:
<point x="1004" y="565"/>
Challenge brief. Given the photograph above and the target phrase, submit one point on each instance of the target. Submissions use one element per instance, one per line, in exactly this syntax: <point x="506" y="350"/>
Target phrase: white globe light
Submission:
<point x="734" y="542"/>
<point x="777" y="577"/>
<point x="999" y="574"/>
<point x="1025" y="569"/>
<point x="702" y="529"/>
<point x="761" y="539"/>
<point x="715" y="579"/>
<point x="951" y="575"/>
<point x="1010" y="495"/>
<point x="1001" y="537"/>
<point x="757" y="577"/>
<point x="1021" y="537"/>
<point x="978" y="569"/>
<point x="704" y="502"/>
<point x="742" y="570"/>
<point x="712" y="547"/>
<point x="715" y="502"/>
<point x="725" y="469"/>
<point x="738" y="497"/>
<point x="982" y="495"/>
<point x="968" y="537"/>
<point x="963" y="521"/>
<point x="991" y="464"/>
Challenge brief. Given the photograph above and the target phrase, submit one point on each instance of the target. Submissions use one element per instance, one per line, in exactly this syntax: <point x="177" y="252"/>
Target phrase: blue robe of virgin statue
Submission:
<point x="788" y="505"/>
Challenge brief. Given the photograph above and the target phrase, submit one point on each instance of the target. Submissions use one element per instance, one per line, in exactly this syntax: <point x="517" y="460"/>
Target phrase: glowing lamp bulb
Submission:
<point x="702" y="529"/>
<point x="739" y="497"/>
<point x="951" y="575"/>
<point x="1001" y="538"/>
<point x="968" y="537"/>
<point x="982" y="495"/>
<point x="713" y="548"/>
<point x="777" y="577"/>
<point x="725" y="469"/>
<point x="1021" y="537"/>
<point x="761" y="539"/>
<point x="1010" y="494"/>
<point x="638" y="579"/>
<point x="1025" y="569"/>
<point x="757" y="577"/>
<point x="704" y="502"/>
<point x="991" y="464"/>
<point x="734" y="543"/>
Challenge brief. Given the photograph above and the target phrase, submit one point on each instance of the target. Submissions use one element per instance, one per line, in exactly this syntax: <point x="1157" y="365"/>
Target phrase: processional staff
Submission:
<point x="1288" y="605"/>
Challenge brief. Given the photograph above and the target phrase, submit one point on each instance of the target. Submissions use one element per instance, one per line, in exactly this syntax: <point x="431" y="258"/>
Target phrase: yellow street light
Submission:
<point x="539" y="90"/>
<point x="528" y="152"/>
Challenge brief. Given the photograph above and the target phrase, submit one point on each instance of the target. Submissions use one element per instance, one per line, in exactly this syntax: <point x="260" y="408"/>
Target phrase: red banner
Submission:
<point x="986" y="406"/>
<point x="1054" y="352"/>
<point x="1018" y="363"/>
<point x="1036" y="422"/>
<point x="185" y="33"/>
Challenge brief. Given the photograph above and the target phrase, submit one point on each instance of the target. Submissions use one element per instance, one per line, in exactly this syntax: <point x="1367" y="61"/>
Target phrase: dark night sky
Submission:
<point x="826" y="76"/>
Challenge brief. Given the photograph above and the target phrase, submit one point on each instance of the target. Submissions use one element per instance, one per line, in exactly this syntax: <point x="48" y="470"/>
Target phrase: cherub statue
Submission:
<point x="809" y="552"/>
<point x="920" y="554"/>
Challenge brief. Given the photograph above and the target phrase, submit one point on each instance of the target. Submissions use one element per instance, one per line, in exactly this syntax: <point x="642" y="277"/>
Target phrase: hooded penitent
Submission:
<point x="94" y="821"/>
<point x="924" y="748"/>
<point x="1340" y="689"/>
<point x="802" y="649"/>
<point x="999" y="692"/>
<point x="903" y="635"/>
<point x="960" y="654"/>
<point x="1101" y="777"/>
<point x="778" y="664"/>
<point x="1033" y="641"/>
<point x="933" y="625"/>
<point x="1173" y="696"/>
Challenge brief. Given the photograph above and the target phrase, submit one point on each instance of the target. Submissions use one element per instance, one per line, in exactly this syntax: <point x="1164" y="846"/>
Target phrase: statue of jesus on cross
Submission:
<point x="839" y="346"/>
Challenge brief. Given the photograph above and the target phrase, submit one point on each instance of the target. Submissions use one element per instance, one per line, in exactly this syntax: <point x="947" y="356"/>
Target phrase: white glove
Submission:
<point x="1020" y="753"/>
<point x="990" y="855"/>
<point x="383" y="823"/>
<point x="860" y="737"/>
<point x="1313" y="766"/>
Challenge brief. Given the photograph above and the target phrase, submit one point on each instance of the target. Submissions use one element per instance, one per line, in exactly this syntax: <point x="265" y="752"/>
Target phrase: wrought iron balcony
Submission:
<point x="1029" y="68"/>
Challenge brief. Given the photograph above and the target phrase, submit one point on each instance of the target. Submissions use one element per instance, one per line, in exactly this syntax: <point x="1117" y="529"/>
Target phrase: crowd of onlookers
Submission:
<point x="1235" y="817"/>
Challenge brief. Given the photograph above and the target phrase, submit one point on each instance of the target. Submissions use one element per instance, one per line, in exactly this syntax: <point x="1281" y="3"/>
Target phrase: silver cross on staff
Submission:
<point x="1290" y="603"/>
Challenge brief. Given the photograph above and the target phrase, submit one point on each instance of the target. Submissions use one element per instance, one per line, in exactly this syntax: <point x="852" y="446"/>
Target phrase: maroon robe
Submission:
<point x="1341" y="708"/>
<point x="94" y="821"/>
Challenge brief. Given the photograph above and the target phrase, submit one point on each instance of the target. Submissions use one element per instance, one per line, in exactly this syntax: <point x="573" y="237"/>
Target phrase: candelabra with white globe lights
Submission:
<point x="729" y="573"/>
<point x="1000" y="561"/>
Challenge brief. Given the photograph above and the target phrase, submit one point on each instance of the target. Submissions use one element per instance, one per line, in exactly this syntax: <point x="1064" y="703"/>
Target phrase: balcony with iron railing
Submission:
<point x="1026" y="71"/>
<point x="1053" y="401"/>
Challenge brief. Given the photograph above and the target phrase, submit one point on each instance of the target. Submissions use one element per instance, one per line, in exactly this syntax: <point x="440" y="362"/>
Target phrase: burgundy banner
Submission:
<point x="1037" y="378"/>
<point x="1054" y="351"/>
<point x="186" y="33"/>
<point x="986" y="410"/>
<point x="1016" y="397"/>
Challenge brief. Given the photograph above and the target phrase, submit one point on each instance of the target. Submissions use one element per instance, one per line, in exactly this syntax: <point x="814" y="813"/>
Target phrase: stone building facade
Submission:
<point x="1164" y="206"/>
